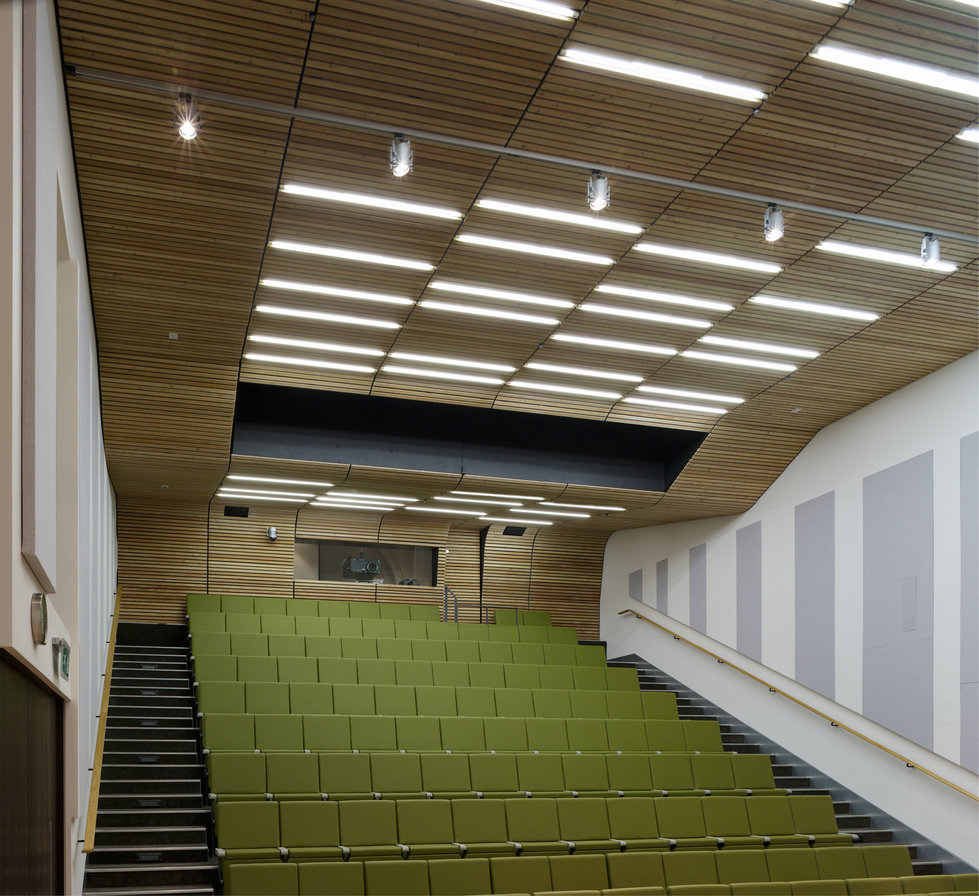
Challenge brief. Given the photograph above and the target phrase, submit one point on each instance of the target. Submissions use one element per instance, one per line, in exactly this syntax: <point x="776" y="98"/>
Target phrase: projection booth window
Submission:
<point x="358" y="561"/>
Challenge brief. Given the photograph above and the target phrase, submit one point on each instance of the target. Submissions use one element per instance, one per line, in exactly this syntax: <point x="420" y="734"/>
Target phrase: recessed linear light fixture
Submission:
<point x="814" y="308"/>
<point x="738" y="361"/>
<point x="377" y="508"/>
<point x="538" y="8"/>
<point x="730" y="261"/>
<point x="667" y="298"/>
<point x="276" y="481"/>
<point x="448" y="510"/>
<point x="662" y="74"/>
<point x="489" y="312"/>
<point x="441" y="374"/>
<point x="335" y="292"/>
<point x="585" y="371"/>
<point x="687" y="393"/>
<point x="898" y="69"/>
<point x="303" y="362"/>
<point x="511" y="520"/>
<point x="366" y="496"/>
<point x="565" y="390"/>
<point x="676" y="405"/>
<point x="243" y="496"/>
<point x="837" y="3"/>
<point x="351" y="255"/>
<point x="550" y="214"/>
<point x="567" y="513"/>
<point x="774" y="223"/>
<point x="246" y="490"/>
<point x="327" y="317"/>
<point x="764" y="347"/>
<point x="579" y="506"/>
<point x="339" y="499"/>
<point x="649" y="316"/>
<point x="400" y="157"/>
<point x="497" y="495"/>
<point x="598" y="194"/>
<point x="315" y="345"/>
<point x="970" y="135"/>
<point x="906" y="259"/>
<point x="534" y="249"/>
<point x="486" y="292"/>
<point x="617" y="344"/>
<point x="393" y="205"/>
<point x="452" y="362"/>
<point x="494" y="501"/>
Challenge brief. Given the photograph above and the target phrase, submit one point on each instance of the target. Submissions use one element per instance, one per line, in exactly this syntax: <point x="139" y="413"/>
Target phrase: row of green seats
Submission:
<point x="298" y="606"/>
<point x="513" y="616"/>
<point x="344" y="670"/>
<point x="291" y="732"/>
<point x="344" y="627"/>
<point x="362" y="776"/>
<point x="347" y="698"/>
<point x="884" y="869"/>
<point x="372" y="829"/>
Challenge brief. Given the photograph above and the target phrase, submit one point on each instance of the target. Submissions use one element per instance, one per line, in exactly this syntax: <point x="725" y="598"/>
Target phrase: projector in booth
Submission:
<point x="359" y="568"/>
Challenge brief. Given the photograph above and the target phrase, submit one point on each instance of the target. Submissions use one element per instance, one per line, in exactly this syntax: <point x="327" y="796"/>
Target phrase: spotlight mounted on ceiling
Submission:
<point x="931" y="251"/>
<point x="401" y="159"/>
<point x="599" y="194"/>
<point x="774" y="223"/>
<point x="187" y="120"/>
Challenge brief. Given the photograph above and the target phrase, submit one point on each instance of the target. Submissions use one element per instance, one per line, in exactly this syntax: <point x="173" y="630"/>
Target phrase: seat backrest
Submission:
<point x="487" y="675"/>
<point x="435" y="700"/>
<point x="236" y="773"/>
<point x="213" y="643"/>
<point x="328" y="879"/>
<point x="247" y="824"/>
<point x="479" y="821"/>
<point x="242" y="622"/>
<point x="354" y="647"/>
<point x="368" y="822"/>
<point x="671" y="771"/>
<point x="887" y="860"/>
<point x="623" y="704"/>
<point x="364" y="610"/>
<point x="333" y="608"/>
<point x="590" y="678"/>
<point x="552" y="703"/>
<point x="396" y="773"/>
<point x="297" y="668"/>
<point x="588" y="705"/>
<point x="462" y="735"/>
<point x="326" y="733"/>
<point x="422" y="649"/>
<point x="585" y="771"/>
<point x="307" y="697"/>
<point x="587" y="735"/>
<point x="459" y="877"/>
<point x="557" y="676"/>
<point x="712" y="771"/>
<point x="292" y="773"/>
<point x="476" y="701"/>
<point x="342" y="773"/>
<point x="770" y="815"/>
<point x="413" y="672"/>
<point x="547" y="735"/>
<point x="493" y="772"/>
<point x="214" y="667"/>
<point x="505" y="734"/>
<point x="353" y="699"/>
<point x="726" y="816"/>
<point x="450" y="674"/>
<point x="635" y="869"/>
<point x="309" y="823"/>
<point x="583" y="819"/>
<point x="740" y="866"/>
<point x="665" y="736"/>
<point x="626" y="735"/>
<point x="514" y="703"/>
<point x="813" y="813"/>
<point x="658" y="705"/>
<point x="445" y="772"/>
<point x="457" y="651"/>
<point x="337" y="670"/>
<point x="623" y="678"/>
<point x="521" y="676"/>
<point x="276" y="732"/>
<point x="578" y="872"/>
<point x="791" y="863"/>
<point x="228" y="731"/>
<point x="632" y="818"/>
<point x="703" y="735"/>
<point x="395" y="700"/>
<point x="221" y="696"/>
<point x="540" y="773"/>
<point x="375" y="671"/>
<point x="680" y="816"/>
<point x="840" y="862"/>
<point x="424" y="821"/>
<point x="418" y="733"/>
<point x="691" y="866"/>
<point x="495" y="652"/>
<point x="628" y="771"/>
<point x="527" y="655"/>
<point x="257" y="668"/>
<point x="394" y="648"/>
<point x="249" y="644"/>
<point x="753" y="771"/>
<point x="523" y="874"/>
<point x="373" y="733"/>
<point x="302" y="607"/>
<point x="529" y="821"/>
<point x="287" y="645"/>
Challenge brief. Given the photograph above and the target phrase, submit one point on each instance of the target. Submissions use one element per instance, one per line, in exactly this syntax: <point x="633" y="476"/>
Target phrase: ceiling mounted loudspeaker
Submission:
<point x="401" y="157"/>
<point x="514" y="530"/>
<point x="599" y="194"/>
<point x="774" y="223"/>
<point x="931" y="251"/>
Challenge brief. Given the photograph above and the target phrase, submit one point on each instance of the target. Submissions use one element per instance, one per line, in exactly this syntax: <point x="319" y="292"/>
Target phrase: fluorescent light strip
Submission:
<point x="497" y="495"/>
<point x="663" y="74"/>
<point x="452" y="362"/>
<point x="564" y="390"/>
<point x="489" y="312"/>
<point x="579" y="506"/>
<point x="485" y="292"/>
<point x="483" y="501"/>
<point x="538" y="8"/>
<point x="665" y="297"/>
<point x="326" y="499"/>
<point x="970" y="135"/>
<point x="315" y="345"/>
<point x="584" y="371"/>
<point x="534" y="249"/>
<point x="567" y="513"/>
<point x="729" y="261"/>
<point x="377" y="508"/>
<point x="814" y="308"/>
<point x="836" y="3"/>
<point x="326" y="317"/>
<point x="441" y="375"/>
<point x="905" y="259"/>
<point x="366" y="496"/>
<point x="393" y="205"/>
<point x="738" y="361"/>
<point x="510" y="521"/>
<point x="274" y="481"/>
<point x="551" y="214"/>
<point x="300" y="362"/>
<point x="618" y="344"/>
<point x="336" y="292"/>
<point x="685" y="393"/>
<point x="765" y="347"/>
<point x="447" y="510"/>
<point x="350" y="255"/>
<point x="245" y="490"/>
<point x="676" y="406"/>
<point x="241" y="496"/>
<point x="898" y="69"/>
<point x="649" y="316"/>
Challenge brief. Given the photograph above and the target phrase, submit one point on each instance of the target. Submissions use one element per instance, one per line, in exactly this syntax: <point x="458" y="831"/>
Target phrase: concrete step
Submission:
<point x="145" y="730"/>
<point x="153" y="689"/>
<point x="148" y="743"/>
<point x="150" y="835"/>
<point x="144" y="758"/>
<point x="924" y="867"/>
<point x="144" y="723"/>
<point x="847" y="822"/>
<point x="191" y="799"/>
<point x="148" y="854"/>
<point x="155" y="786"/>
<point x="160" y="768"/>
<point x="159" y="681"/>
<point x="133" y="708"/>
<point x="162" y="874"/>
<point x="155" y="818"/>
<point x="191" y="890"/>
<point x="871" y="835"/>
<point x="792" y="782"/>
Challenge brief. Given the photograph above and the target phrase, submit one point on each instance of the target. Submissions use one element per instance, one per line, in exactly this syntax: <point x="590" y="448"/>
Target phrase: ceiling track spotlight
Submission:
<point x="187" y="120"/>
<point x="931" y="251"/>
<point x="599" y="194"/>
<point x="774" y="223"/>
<point x="401" y="158"/>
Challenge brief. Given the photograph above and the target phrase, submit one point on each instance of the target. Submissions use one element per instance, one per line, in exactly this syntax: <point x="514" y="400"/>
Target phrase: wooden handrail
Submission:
<point x="93" y="792"/>
<point x="776" y="690"/>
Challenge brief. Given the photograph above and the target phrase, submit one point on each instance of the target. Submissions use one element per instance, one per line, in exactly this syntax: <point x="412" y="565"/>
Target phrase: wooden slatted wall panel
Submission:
<point x="506" y="568"/>
<point x="241" y="559"/>
<point x="462" y="571"/>
<point x="162" y="557"/>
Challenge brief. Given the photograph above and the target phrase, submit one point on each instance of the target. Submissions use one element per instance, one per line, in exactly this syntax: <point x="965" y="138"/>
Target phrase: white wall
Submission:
<point x="929" y="417"/>
<point x="86" y="551"/>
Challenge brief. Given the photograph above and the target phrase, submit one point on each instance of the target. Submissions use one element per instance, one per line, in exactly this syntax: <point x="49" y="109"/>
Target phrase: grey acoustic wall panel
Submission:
<point x="748" y="582"/>
<point x="815" y="594"/>
<point x="898" y="598"/>
<point x="635" y="584"/>
<point x="969" y="656"/>
<point x="662" y="586"/>
<point x="698" y="587"/>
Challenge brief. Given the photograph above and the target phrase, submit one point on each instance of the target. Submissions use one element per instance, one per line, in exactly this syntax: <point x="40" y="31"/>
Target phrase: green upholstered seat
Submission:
<point x="337" y="670"/>
<point x="297" y="668"/>
<point x="629" y="870"/>
<point x="369" y="829"/>
<point x="753" y="773"/>
<point x="689" y="868"/>
<point x="431" y="651"/>
<point x="450" y="674"/>
<point x="293" y="776"/>
<point x="203" y="603"/>
<point x="242" y="622"/>
<point x="541" y="775"/>
<point x="586" y="774"/>
<point x="587" y="735"/>
<point x="588" y="704"/>
<point x="623" y="704"/>
<point x="521" y="675"/>
<point x="494" y="775"/>
<point x="331" y="608"/>
<point x="397" y="776"/>
<point x="330" y="879"/>
<point x="274" y="618"/>
<point x="585" y="823"/>
<point x="213" y="643"/>
<point x="378" y="628"/>
<point x="552" y="703"/>
<point x="394" y="648"/>
<point x="459" y="877"/>
<point x="413" y="672"/>
<point x="311" y="830"/>
<point x="237" y="603"/>
<point x="355" y="647"/>
<point x="681" y="819"/>
<point x="249" y="644"/>
<point x="435" y="700"/>
<point x="792" y="863"/>
<point x="376" y="671"/>
<point x="557" y="676"/>
<point x="672" y="774"/>
<point x="626" y="735"/>
<point x="771" y="817"/>
<point x="525" y="874"/>
<point x="740" y="865"/>
<point x="353" y="699"/>
<point x="316" y="627"/>
<point x="726" y="818"/>
<point x="547" y="735"/>
<point x="632" y="820"/>
<point x="424" y="612"/>
<point x="308" y="697"/>
<point x="590" y="678"/>
<point x="462" y="735"/>
<point x="480" y="825"/>
<point x="261" y="878"/>
<point x="205" y="622"/>
<point x="839" y="862"/>
<point x="526" y="654"/>
<point x="258" y="668"/>
<point x="487" y="675"/>
<point x="578" y="872"/>
<point x="665" y="736"/>
<point x="887" y="860"/>
<point x="458" y="651"/>
<point x="370" y="734"/>
<point x="395" y="700"/>
<point x="622" y="678"/>
<point x="302" y="607"/>
<point x="513" y="702"/>
<point x="215" y="667"/>
<point x="505" y="734"/>
<point x="345" y="776"/>
<point x="659" y="705"/>
<point x="418" y="733"/>
<point x="495" y="652"/>
<point x="446" y="775"/>
<point x="814" y="816"/>
<point x="236" y="776"/>
<point x="713" y="773"/>
<point x="247" y="830"/>
<point x="278" y="732"/>
<point x="702" y="735"/>
<point x="425" y="827"/>
<point x="228" y="732"/>
<point x="364" y="610"/>
<point x="629" y="774"/>
<point x="287" y="645"/>
<point x="479" y="702"/>
<point x="221" y="696"/>
<point x="326" y="733"/>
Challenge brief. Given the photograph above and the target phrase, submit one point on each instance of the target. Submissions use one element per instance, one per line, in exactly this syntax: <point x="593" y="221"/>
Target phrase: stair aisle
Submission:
<point x="153" y="829"/>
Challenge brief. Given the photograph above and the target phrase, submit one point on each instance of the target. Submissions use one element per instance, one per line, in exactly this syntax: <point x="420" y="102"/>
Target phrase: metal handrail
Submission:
<point x="96" y="785"/>
<point x="445" y="600"/>
<point x="776" y="690"/>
